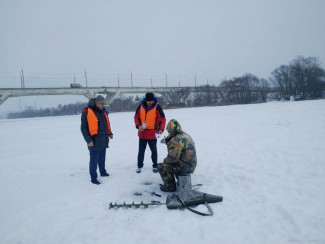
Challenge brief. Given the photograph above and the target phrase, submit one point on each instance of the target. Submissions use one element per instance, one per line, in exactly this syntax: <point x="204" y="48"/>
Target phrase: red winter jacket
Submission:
<point x="158" y="118"/>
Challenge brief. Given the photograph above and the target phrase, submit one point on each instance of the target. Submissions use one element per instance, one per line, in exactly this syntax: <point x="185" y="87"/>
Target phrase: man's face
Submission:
<point x="100" y="105"/>
<point x="150" y="103"/>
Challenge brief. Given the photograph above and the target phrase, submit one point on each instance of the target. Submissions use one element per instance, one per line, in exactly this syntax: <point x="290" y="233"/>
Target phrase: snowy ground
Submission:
<point x="266" y="160"/>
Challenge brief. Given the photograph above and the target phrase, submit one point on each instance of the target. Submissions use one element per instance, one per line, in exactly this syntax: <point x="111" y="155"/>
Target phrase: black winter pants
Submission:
<point x="142" y="149"/>
<point x="97" y="157"/>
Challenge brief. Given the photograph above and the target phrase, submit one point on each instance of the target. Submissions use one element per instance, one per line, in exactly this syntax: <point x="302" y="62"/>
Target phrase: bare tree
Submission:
<point x="302" y="78"/>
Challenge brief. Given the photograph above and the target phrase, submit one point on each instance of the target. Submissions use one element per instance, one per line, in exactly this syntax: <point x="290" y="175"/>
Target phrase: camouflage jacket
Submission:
<point x="180" y="145"/>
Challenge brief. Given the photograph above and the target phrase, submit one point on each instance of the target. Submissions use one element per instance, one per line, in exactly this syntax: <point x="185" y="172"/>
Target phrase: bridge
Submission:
<point x="171" y="94"/>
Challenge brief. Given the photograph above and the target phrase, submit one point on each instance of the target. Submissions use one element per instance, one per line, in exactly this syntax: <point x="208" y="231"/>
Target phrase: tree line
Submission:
<point x="238" y="90"/>
<point x="302" y="78"/>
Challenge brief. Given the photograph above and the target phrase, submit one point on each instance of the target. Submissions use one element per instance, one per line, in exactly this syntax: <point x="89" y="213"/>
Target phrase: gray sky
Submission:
<point x="214" y="39"/>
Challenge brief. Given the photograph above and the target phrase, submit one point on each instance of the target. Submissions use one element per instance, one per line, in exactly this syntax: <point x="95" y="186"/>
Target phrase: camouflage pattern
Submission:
<point x="181" y="156"/>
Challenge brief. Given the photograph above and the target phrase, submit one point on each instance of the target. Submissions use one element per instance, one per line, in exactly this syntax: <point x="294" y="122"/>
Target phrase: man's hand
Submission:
<point x="163" y="141"/>
<point x="140" y="128"/>
<point x="90" y="144"/>
<point x="111" y="137"/>
<point x="160" y="132"/>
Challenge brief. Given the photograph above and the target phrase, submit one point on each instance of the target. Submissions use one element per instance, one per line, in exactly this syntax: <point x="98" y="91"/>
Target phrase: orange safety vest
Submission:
<point x="93" y="122"/>
<point x="148" y="117"/>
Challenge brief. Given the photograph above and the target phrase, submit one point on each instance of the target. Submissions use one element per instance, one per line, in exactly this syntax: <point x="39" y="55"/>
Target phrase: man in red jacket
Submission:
<point x="149" y="119"/>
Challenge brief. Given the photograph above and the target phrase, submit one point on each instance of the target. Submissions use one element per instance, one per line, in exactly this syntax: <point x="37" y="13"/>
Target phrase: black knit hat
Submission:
<point x="150" y="96"/>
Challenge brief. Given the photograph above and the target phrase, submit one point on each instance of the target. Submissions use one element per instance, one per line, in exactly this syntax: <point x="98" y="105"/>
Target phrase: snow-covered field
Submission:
<point x="266" y="160"/>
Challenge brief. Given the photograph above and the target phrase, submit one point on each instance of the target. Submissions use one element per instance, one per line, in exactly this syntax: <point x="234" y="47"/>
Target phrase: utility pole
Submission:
<point x="166" y="80"/>
<point x="86" y="78"/>
<point x="195" y="80"/>
<point x="22" y="79"/>
<point x="74" y="78"/>
<point x="22" y="71"/>
<point x="131" y="80"/>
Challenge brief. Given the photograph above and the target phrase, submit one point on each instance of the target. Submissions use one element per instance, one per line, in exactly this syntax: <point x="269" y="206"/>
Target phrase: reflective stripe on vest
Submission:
<point x="93" y="122"/>
<point x="149" y="117"/>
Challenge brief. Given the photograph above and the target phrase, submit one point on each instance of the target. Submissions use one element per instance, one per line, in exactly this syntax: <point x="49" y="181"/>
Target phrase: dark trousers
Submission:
<point x="142" y="149"/>
<point x="97" y="157"/>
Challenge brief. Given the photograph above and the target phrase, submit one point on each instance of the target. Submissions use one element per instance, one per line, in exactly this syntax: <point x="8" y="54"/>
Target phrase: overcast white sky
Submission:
<point x="214" y="39"/>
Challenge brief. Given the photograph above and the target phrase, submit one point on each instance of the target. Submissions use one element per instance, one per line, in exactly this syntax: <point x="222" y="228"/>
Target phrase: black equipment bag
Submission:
<point x="192" y="198"/>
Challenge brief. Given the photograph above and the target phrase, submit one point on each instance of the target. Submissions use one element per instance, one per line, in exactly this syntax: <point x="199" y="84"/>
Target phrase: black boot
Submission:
<point x="104" y="174"/>
<point x="95" y="181"/>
